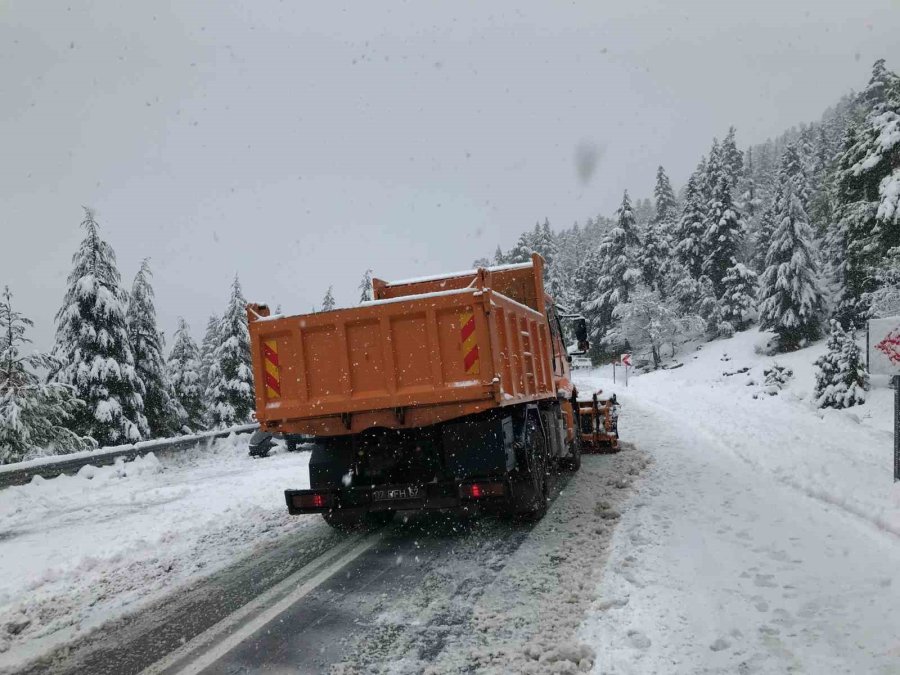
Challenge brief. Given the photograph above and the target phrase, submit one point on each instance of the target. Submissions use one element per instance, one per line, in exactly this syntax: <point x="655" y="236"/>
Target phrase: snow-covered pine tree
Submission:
<point x="654" y="257"/>
<point x="328" y="303"/>
<point x="585" y="279"/>
<point x="713" y="170"/>
<point x="34" y="415"/>
<point x="849" y="242"/>
<point x="841" y="380"/>
<point x="739" y="288"/>
<point x="732" y="158"/>
<point x="365" y="287"/>
<point x="867" y="193"/>
<point x="161" y="408"/>
<point x="790" y="300"/>
<point x="619" y="271"/>
<point x="643" y="212"/>
<point x="724" y="234"/>
<point x="656" y="254"/>
<point x="691" y="230"/>
<point x="749" y="193"/>
<point x="822" y="179"/>
<point x="763" y="238"/>
<point x="230" y="390"/>
<point x="185" y="374"/>
<point x="544" y="242"/>
<point x="664" y="197"/>
<point x="708" y="306"/>
<point x="881" y="163"/>
<point x="793" y="165"/>
<point x="884" y="301"/>
<point x="92" y="352"/>
<point x="571" y="251"/>
<point x="208" y="350"/>
<point x="521" y="252"/>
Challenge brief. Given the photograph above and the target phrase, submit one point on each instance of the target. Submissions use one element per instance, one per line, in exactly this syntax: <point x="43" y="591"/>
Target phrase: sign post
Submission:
<point x="626" y="364"/>
<point x="883" y="358"/>
<point x="895" y="380"/>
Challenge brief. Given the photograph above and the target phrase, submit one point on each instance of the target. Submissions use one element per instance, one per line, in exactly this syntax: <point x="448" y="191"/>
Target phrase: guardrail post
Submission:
<point x="895" y="380"/>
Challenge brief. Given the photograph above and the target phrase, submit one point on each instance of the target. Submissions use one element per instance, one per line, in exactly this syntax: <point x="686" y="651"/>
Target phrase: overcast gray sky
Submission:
<point x="299" y="143"/>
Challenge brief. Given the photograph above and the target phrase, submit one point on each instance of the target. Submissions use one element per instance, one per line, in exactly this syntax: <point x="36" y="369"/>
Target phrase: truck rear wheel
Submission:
<point x="357" y="521"/>
<point x="533" y="487"/>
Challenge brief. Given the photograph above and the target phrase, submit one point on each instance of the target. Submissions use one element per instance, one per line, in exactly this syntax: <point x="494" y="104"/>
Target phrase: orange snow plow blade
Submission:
<point x="599" y="420"/>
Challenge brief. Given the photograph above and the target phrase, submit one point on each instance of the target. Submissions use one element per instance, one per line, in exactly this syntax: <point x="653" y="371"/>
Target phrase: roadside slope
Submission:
<point x="764" y="537"/>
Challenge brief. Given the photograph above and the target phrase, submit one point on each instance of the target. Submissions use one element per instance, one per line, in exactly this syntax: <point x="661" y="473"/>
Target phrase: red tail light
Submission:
<point x="312" y="501"/>
<point x="481" y="490"/>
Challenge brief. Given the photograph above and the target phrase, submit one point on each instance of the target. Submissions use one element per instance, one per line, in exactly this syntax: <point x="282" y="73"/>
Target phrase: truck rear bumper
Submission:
<point x="484" y="494"/>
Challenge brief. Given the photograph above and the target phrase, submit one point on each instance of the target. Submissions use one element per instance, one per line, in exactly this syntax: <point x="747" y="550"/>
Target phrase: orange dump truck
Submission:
<point x="448" y="392"/>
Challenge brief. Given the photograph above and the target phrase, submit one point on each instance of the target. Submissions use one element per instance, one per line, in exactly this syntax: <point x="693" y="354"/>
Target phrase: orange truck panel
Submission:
<point x="424" y="351"/>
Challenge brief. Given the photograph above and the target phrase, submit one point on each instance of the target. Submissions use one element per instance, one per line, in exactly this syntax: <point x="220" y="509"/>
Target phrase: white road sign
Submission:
<point x="884" y="346"/>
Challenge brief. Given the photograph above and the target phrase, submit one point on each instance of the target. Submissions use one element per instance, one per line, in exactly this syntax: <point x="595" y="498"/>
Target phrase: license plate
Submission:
<point x="391" y="494"/>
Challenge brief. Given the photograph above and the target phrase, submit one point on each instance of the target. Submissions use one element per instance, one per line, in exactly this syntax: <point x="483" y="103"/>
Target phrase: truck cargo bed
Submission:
<point x="426" y="351"/>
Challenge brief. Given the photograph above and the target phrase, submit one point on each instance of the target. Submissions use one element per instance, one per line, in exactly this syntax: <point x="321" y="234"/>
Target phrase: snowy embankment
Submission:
<point x="76" y="551"/>
<point x="844" y="457"/>
<point x="765" y="536"/>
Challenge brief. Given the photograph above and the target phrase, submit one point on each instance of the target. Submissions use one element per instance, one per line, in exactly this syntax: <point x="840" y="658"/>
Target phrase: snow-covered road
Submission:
<point x="762" y="538"/>
<point x="77" y="551"/>
<point x="720" y="568"/>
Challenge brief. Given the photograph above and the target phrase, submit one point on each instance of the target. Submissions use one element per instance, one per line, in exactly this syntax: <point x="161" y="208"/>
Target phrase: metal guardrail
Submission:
<point x="20" y="473"/>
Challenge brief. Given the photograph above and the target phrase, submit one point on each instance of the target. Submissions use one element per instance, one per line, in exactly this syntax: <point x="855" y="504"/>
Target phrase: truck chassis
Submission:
<point x="496" y="462"/>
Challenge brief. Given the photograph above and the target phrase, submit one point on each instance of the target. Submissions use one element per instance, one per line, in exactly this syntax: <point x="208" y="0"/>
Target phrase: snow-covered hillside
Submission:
<point x="767" y="534"/>
<point x="840" y="456"/>
<point x="79" y="550"/>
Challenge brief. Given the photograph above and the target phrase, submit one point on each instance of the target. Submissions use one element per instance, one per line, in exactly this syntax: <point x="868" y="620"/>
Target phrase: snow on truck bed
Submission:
<point x="78" y="550"/>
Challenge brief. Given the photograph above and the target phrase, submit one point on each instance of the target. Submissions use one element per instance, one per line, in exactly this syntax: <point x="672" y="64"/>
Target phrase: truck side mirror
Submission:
<point x="581" y="334"/>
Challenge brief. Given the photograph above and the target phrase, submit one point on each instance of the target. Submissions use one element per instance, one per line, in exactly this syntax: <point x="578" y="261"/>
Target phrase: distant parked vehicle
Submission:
<point x="581" y="362"/>
<point x="262" y="442"/>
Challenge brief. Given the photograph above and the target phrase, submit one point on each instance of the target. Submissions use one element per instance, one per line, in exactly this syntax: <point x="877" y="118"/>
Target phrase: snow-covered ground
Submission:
<point x="76" y="551"/>
<point x="763" y="537"/>
<point x="766" y="535"/>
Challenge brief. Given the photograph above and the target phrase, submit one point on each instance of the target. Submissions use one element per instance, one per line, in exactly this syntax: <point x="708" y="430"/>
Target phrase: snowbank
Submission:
<point x="78" y="550"/>
<point x="764" y="537"/>
<point x="844" y="457"/>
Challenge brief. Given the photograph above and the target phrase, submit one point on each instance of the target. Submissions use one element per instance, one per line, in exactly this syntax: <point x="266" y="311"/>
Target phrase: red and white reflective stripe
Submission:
<point x="273" y="369"/>
<point x="471" y="363"/>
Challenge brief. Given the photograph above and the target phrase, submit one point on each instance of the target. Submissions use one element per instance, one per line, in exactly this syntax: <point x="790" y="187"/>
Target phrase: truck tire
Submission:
<point x="533" y="486"/>
<point x="356" y="521"/>
<point x="573" y="461"/>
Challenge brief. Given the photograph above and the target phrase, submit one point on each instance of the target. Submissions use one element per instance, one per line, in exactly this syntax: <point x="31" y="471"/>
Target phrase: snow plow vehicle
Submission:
<point x="451" y="392"/>
<point x="599" y="424"/>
